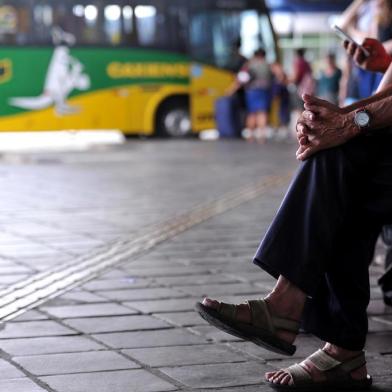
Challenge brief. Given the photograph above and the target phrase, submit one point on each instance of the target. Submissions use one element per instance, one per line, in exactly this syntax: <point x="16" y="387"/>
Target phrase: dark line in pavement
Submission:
<point x="36" y="290"/>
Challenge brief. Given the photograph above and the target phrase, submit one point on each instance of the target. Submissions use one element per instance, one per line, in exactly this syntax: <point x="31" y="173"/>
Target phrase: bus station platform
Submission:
<point x="103" y="254"/>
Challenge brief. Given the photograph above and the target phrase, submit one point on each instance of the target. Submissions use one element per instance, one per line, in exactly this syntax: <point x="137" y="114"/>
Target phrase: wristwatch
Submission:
<point x="362" y="119"/>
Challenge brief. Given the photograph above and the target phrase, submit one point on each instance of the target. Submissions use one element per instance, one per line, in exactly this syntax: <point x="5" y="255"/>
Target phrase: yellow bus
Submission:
<point x="141" y="66"/>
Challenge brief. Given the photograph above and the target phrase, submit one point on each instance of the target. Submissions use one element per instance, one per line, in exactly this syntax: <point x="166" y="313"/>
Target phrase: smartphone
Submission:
<point x="346" y="37"/>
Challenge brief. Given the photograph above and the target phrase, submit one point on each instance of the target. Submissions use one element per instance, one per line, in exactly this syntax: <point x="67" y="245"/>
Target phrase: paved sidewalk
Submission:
<point x="134" y="329"/>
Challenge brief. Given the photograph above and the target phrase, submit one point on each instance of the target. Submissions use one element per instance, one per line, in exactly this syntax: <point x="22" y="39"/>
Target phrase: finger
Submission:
<point x="315" y="105"/>
<point x="346" y="44"/>
<point x="300" y="127"/>
<point x="307" y="153"/>
<point x="313" y="108"/>
<point x="359" y="56"/>
<point x="300" y="151"/>
<point x="308" y="115"/>
<point x="303" y="141"/>
<point x="351" y="48"/>
<point x="307" y="98"/>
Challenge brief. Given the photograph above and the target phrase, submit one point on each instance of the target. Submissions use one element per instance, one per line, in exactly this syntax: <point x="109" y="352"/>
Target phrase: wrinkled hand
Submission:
<point x="378" y="61"/>
<point x="322" y="125"/>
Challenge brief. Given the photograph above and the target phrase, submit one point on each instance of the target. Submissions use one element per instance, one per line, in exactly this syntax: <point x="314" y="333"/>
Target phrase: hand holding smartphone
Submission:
<point x="346" y="37"/>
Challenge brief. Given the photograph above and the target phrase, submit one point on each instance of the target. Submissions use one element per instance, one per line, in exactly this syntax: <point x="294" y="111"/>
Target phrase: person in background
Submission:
<point x="237" y="59"/>
<point x="281" y="92"/>
<point x="302" y="79"/>
<point x="329" y="80"/>
<point x="360" y="21"/>
<point x="256" y="78"/>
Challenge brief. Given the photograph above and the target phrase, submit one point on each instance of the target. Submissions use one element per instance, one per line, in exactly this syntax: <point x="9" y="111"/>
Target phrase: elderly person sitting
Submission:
<point x="322" y="240"/>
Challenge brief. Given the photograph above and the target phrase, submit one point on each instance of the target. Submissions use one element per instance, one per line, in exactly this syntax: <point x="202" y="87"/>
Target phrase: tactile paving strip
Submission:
<point x="36" y="290"/>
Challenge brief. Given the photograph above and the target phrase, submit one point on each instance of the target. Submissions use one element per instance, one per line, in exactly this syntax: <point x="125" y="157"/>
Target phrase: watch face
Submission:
<point x="362" y="119"/>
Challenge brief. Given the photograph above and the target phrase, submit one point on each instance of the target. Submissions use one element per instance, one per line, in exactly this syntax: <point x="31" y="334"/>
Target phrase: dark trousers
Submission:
<point x="323" y="236"/>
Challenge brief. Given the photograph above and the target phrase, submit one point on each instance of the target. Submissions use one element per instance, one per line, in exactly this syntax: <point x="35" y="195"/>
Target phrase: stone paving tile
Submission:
<point x="83" y="297"/>
<point x="19" y="385"/>
<point x="6" y="280"/>
<point x="377" y="307"/>
<point x="116" y="324"/>
<point x="8" y="371"/>
<point x="378" y="325"/>
<point x="115" y="381"/>
<point x="72" y="363"/>
<point x="115" y="273"/>
<point x="195" y="280"/>
<point x="182" y="319"/>
<point x="89" y="310"/>
<point x="179" y="270"/>
<point x="214" y="289"/>
<point x="379" y="343"/>
<point x="184" y="355"/>
<point x="31" y="315"/>
<point x="249" y="388"/>
<point x="15" y="269"/>
<point x="48" y="345"/>
<point x="34" y="329"/>
<point x="213" y="334"/>
<point x="382" y="384"/>
<point x="219" y="375"/>
<point x="116" y="284"/>
<point x="141" y="294"/>
<point x="162" y="306"/>
<point x="160" y="338"/>
<point x="381" y="365"/>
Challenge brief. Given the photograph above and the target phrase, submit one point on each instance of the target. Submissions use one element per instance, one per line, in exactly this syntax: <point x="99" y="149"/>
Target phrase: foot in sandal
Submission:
<point x="329" y="369"/>
<point x="272" y="323"/>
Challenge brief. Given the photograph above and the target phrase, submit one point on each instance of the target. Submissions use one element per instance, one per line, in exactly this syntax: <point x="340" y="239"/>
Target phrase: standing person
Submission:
<point x="256" y="77"/>
<point x="302" y="78"/>
<point x="237" y="59"/>
<point x="281" y="92"/>
<point x="329" y="81"/>
<point x="322" y="239"/>
<point x="360" y="21"/>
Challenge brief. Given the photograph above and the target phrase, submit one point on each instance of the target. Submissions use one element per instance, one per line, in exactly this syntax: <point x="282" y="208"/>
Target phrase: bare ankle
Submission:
<point x="286" y="299"/>
<point x="339" y="352"/>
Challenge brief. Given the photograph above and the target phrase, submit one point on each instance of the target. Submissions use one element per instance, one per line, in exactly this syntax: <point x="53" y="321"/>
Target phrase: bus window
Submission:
<point x="112" y="24"/>
<point x="15" y="23"/>
<point x="160" y="24"/>
<point x="213" y="34"/>
<point x="147" y="24"/>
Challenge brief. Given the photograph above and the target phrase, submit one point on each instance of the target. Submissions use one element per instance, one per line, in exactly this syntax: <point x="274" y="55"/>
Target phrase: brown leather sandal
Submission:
<point x="262" y="330"/>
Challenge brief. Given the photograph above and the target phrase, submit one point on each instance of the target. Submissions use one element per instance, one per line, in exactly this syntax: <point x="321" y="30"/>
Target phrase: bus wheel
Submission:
<point x="174" y="121"/>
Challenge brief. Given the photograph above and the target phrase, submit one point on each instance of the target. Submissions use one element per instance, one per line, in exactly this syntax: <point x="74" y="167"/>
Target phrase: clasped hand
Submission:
<point x="322" y="125"/>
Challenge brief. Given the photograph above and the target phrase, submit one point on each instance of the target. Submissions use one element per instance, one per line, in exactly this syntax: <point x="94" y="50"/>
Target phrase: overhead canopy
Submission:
<point x="308" y="5"/>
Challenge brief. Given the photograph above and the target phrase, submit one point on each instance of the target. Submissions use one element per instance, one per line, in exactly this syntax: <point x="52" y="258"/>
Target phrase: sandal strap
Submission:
<point x="228" y="310"/>
<point x="298" y="374"/>
<point x="353" y="364"/>
<point x="322" y="361"/>
<point x="261" y="317"/>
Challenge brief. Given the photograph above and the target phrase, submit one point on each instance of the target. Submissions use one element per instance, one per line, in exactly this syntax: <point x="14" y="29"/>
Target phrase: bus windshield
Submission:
<point x="214" y="34"/>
